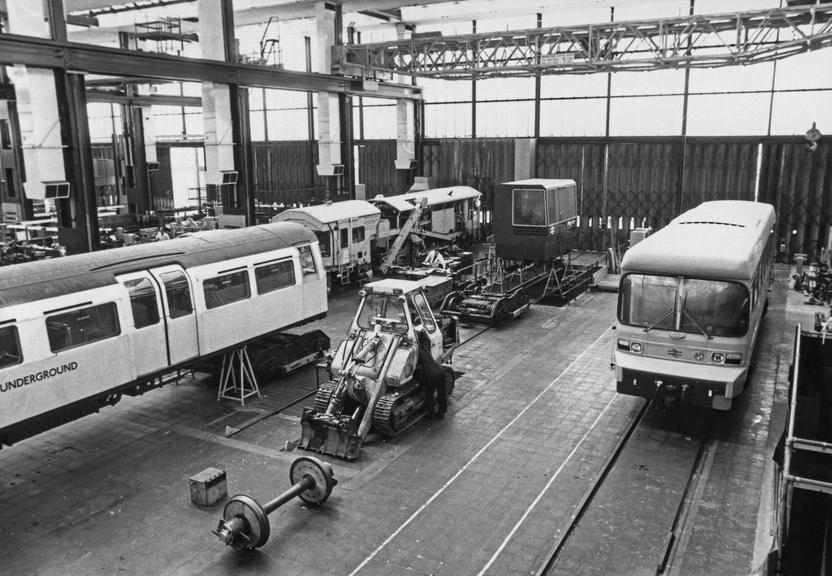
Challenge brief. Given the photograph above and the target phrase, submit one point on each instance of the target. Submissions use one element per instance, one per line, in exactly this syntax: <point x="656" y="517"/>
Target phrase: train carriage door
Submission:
<point x="182" y="341"/>
<point x="344" y="243"/>
<point x="147" y="334"/>
<point x="313" y="282"/>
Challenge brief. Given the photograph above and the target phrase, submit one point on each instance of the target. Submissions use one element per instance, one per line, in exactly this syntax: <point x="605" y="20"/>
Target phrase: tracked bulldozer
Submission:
<point x="375" y="374"/>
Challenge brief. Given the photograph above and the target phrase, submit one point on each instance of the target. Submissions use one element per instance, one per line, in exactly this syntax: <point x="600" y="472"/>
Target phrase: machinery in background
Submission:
<point x="803" y="513"/>
<point x="376" y="377"/>
<point x="535" y="233"/>
<point x="358" y="237"/>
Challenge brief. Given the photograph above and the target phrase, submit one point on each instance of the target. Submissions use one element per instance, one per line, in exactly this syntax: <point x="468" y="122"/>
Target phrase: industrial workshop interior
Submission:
<point x="416" y="287"/>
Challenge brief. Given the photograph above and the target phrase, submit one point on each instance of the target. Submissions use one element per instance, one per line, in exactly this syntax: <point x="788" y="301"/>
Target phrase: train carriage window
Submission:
<point x="178" y="293"/>
<point x="324" y="243"/>
<point x="143" y="301"/>
<point x="552" y="207"/>
<point x="358" y="234"/>
<point x="528" y="208"/>
<point x="307" y="261"/>
<point x="274" y="275"/>
<point x="345" y="238"/>
<point x="82" y="326"/>
<point x="226" y="289"/>
<point x="9" y="347"/>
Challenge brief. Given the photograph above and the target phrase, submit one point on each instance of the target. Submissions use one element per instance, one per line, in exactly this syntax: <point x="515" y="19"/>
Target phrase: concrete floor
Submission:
<point x="533" y="417"/>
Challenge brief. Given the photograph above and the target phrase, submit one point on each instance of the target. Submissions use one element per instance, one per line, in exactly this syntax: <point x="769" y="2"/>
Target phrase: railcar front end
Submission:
<point x="684" y="340"/>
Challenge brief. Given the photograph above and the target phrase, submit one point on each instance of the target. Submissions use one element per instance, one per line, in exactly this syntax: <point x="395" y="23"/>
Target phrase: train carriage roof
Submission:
<point x="320" y="215"/>
<point x="435" y="197"/>
<point x="541" y="182"/>
<point x="21" y="283"/>
<point x="721" y="239"/>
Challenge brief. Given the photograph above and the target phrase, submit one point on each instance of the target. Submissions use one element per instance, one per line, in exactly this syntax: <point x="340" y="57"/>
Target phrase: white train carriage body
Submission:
<point x="691" y="300"/>
<point x="345" y="232"/>
<point x="76" y="332"/>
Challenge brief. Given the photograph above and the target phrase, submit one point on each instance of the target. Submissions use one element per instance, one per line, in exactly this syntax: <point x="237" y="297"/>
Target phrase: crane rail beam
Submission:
<point x="697" y="41"/>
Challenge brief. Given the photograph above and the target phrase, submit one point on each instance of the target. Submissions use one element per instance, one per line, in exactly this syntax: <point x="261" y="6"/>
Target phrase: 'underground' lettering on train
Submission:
<point x="38" y="376"/>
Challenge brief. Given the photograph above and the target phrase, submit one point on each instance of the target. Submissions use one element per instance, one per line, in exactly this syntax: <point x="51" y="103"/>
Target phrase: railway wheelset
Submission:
<point x="245" y="522"/>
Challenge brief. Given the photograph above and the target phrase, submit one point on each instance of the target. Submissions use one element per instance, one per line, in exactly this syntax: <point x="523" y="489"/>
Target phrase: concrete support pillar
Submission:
<point x="329" y="119"/>
<point x="405" y="123"/>
<point x="216" y="98"/>
<point x="405" y="134"/>
<point x="525" y="157"/>
<point x="37" y="105"/>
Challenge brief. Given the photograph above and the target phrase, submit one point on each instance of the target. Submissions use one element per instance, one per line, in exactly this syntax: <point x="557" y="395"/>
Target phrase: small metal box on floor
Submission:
<point x="208" y="486"/>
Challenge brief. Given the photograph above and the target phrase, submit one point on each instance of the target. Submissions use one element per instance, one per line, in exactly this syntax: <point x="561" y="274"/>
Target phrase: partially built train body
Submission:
<point x="359" y="236"/>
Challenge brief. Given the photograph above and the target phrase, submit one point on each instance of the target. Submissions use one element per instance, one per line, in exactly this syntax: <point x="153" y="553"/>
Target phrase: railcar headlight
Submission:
<point x="636" y="347"/>
<point x="718" y="357"/>
<point x="698" y="355"/>
<point x="733" y="358"/>
<point x="623" y="344"/>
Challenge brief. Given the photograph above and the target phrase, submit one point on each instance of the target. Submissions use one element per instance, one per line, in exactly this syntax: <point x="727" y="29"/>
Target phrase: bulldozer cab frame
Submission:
<point x="399" y="306"/>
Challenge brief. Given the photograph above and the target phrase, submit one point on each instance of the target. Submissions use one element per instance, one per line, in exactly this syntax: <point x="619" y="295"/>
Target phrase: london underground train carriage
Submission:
<point x="77" y="332"/>
<point x="691" y="299"/>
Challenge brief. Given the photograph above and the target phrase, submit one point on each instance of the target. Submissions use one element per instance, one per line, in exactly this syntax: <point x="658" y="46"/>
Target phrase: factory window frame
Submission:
<point x="178" y="292"/>
<point x="143" y="302"/>
<point x="226" y="289"/>
<point x="9" y="347"/>
<point x="274" y="276"/>
<point x="307" y="261"/>
<point x="528" y="207"/>
<point x="358" y="234"/>
<point x="82" y="326"/>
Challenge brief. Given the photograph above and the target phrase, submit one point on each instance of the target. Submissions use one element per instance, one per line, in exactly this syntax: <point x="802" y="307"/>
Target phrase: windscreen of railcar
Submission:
<point x="695" y="306"/>
<point x="528" y="207"/>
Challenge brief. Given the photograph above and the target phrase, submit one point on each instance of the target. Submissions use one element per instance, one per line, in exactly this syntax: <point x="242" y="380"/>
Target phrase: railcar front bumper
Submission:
<point x="713" y="386"/>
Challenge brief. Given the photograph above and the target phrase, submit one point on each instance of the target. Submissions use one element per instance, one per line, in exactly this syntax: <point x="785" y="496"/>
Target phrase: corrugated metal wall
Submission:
<point x="480" y="163"/>
<point x="799" y="185"/>
<point x="161" y="180"/>
<point x="622" y="182"/>
<point x="644" y="178"/>
<point x="377" y="168"/>
<point x="284" y="173"/>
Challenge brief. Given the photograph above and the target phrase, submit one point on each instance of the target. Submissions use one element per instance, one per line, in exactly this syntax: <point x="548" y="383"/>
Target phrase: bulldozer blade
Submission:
<point x="326" y="435"/>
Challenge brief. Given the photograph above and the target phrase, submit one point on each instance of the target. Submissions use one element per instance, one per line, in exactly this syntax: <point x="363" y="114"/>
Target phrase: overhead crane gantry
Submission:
<point x="697" y="41"/>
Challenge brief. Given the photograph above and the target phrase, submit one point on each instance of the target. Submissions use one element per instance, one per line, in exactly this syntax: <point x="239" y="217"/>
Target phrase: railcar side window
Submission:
<point x="82" y="326"/>
<point x="528" y="208"/>
<point x="226" y="289"/>
<point x="143" y="302"/>
<point x="345" y="238"/>
<point x="9" y="347"/>
<point x="275" y="275"/>
<point x="358" y="234"/>
<point x="552" y="207"/>
<point x="307" y="261"/>
<point x="178" y="292"/>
